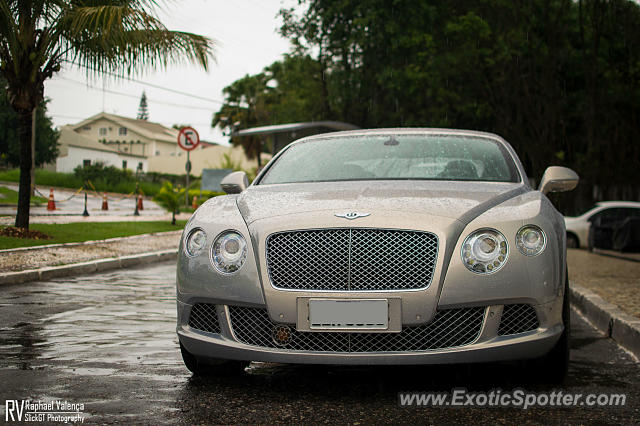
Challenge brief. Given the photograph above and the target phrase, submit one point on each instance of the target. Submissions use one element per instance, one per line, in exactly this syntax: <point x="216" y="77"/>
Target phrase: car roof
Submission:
<point x="618" y="204"/>
<point x="404" y="131"/>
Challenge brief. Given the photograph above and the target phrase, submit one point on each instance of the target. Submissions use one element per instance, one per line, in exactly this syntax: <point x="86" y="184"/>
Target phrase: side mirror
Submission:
<point x="558" y="179"/>
<point x="235" y="183"/>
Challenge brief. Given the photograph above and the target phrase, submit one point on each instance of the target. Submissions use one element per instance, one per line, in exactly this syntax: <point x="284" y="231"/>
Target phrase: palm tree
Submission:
<point x="170" y="198"/>
<point x="117" y="36"/>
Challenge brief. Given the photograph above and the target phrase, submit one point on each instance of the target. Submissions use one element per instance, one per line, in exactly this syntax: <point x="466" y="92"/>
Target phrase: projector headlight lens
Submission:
<point x="196" y="242"/>
<point x="229" y="251"/>
<point x="485" y="251"/>
<point x="531" y="240"/>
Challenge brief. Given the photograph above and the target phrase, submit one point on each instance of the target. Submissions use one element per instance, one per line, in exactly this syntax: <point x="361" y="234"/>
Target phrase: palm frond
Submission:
<point x="125" y="39"/>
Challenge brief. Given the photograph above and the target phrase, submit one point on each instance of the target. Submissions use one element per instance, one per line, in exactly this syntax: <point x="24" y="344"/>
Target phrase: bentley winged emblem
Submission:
<point x="352" y="215"/>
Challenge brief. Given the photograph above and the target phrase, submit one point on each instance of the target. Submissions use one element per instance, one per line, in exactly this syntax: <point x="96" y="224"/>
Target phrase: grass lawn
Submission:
<point x="75" y="232"/>
<point x="9" y="196"/>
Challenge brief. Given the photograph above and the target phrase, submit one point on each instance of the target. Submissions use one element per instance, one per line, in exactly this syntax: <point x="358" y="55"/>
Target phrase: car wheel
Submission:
<point x="572" y="241"/>
<point x="212" y="368"/>
<point x="553" y="367"/>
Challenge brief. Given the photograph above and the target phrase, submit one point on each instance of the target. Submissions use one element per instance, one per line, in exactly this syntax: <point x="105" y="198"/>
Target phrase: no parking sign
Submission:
<point x="188" y="138"/>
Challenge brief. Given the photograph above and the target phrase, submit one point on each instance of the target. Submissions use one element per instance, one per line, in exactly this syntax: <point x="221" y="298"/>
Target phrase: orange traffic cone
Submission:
<point x="140" y="206"/>
<point x="51" y="205"/>
<point x="194" y="203"/>
<point x="105" y="203"/>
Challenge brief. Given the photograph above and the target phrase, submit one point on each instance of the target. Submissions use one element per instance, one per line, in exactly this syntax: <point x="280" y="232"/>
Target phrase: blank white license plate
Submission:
<point x="365" y="314"/>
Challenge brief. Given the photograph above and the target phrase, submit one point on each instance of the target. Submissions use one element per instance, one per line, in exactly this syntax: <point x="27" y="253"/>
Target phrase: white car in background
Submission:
<point x="578" y="227"/>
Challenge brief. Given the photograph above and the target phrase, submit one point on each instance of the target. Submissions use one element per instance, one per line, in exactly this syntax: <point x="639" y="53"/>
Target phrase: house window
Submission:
<point x="140" y="166"/>
<point x="86" y="128"/>
<point x="86" y="163"/>
<point x="122" y="131"/>
<point x="124" y="164"/>
<point x="125" y="149"/>
<point x="157" y="152"/>
<point x="102" y="131"/>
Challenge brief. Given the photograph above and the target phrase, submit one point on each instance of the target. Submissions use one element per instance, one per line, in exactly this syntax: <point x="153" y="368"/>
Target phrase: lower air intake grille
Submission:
<point x="204" y="317"/>
<point x="518" y="319"/>
<point x="449" y="328"/>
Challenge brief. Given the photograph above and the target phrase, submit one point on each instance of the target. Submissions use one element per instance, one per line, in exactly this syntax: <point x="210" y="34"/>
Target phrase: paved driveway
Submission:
<point x="107" y="341"/>
<point x="71" y="203"/>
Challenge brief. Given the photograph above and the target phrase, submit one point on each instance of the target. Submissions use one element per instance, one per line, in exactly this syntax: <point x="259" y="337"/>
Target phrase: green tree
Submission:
<point x="286" y="91"/>
<point x="46" y="134"/>
<point x="559" y="79"/>
<point x="143" y="108"/>
<point x="171" y="198"/>
<point x="121" y="36"/>
<point x="245" y="106"/>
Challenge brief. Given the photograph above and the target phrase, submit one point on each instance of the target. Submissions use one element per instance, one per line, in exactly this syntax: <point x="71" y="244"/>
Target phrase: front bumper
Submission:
<point x="487" y="345"/>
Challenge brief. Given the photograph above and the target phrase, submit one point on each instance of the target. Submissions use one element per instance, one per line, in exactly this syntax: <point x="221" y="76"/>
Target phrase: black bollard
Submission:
<point x="85" y="212"/>
<point x="136" y="212"/>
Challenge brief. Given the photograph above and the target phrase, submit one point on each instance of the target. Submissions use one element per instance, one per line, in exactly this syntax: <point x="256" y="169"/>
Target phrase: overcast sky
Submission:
<point x="247" y="42"/>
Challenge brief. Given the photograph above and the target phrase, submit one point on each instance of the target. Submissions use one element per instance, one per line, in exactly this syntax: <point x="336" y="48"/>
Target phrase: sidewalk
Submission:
<point x="71" y="203"/>
<point x="615" y="280"/>
<point x="10" y="220"/>
<point x="37" y="257"/>
<point x="611" y="253"/>
<point x="70" y="206"/>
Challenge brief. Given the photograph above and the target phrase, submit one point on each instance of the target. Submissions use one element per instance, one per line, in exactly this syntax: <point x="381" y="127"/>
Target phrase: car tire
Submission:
<point x="212" y="368"/>
<point x="553" y="367"/>
<point x="572" y="241"/>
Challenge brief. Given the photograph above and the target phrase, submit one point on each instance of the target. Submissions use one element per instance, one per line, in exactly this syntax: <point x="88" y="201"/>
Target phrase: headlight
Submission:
<point x="229" y="251"/>
<point x="485" y="251"/>
<point x="531" y="240"/>
<point x="196" y="241"/>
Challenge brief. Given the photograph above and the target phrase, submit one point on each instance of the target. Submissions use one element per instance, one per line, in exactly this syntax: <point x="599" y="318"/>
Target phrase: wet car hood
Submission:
<point x="461" y="201"/>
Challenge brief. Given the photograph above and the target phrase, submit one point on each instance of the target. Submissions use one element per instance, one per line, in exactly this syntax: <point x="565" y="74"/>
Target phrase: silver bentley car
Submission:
<point x="392" y="246"/>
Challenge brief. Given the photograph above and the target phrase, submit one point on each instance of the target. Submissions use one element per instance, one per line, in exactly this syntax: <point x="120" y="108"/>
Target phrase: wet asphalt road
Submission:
<point x="108" y="341"/>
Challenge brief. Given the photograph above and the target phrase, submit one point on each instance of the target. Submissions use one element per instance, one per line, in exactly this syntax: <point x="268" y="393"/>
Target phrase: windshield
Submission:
<point x="384" y="157"/>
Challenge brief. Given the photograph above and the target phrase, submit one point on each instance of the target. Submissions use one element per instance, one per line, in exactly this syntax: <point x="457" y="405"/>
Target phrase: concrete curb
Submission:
<point x="97" y="265"/>
<point x="608" y="318"/>
<point x="632" y="257"/>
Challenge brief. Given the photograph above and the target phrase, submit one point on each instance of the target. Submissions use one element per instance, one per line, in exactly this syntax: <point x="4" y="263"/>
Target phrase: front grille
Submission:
<point x="355" y="259"/>
<point x="449" y="328"/>
<point x="204" y="317"/>
<point x="518" y="319"/>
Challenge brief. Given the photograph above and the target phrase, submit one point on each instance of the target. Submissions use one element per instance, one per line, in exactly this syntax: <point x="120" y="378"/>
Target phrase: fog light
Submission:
<point x="281" y="335"/>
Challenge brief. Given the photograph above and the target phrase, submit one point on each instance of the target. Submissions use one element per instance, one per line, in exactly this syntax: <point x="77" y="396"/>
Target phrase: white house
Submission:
<point x="76" y="150"/>
<point x="129" y="135"/>
<point x="130" y="143"/>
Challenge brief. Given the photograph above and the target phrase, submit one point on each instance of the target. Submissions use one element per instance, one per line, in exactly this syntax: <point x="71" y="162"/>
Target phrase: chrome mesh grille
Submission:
<point x="518" y="319"/>
<point x="449" y="328"/>
<point x="204" y="317"/>
<point x="357" y="259"/>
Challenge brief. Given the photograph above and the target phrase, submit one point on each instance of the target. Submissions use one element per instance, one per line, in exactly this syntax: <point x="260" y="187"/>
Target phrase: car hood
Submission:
<point x="462" y="201"/>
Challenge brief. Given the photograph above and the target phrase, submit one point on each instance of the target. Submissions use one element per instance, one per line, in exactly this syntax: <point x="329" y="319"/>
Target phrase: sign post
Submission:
<point x="188" y="139"/>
